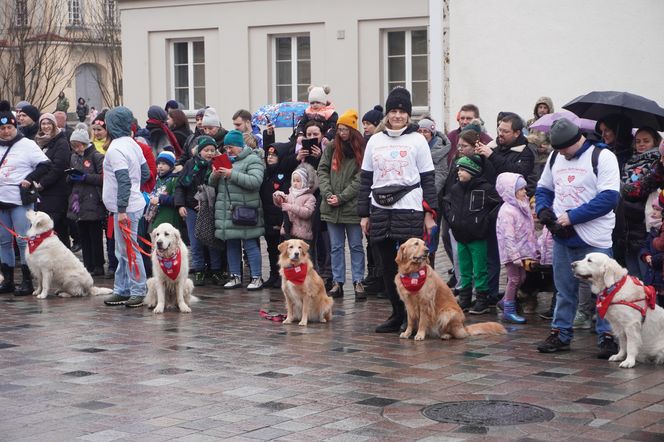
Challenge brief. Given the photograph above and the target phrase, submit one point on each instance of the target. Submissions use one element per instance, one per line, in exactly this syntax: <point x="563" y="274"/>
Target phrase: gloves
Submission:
<point x="77" y="178"/>
<point x="560" y="231"/>
<point x="547" y="217"/>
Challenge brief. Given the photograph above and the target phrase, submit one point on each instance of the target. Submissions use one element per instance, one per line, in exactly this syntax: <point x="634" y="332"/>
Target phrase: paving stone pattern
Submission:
<point x="74" y="369"/>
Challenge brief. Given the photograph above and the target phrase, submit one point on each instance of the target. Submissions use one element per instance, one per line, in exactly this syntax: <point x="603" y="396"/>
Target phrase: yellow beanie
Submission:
<point x="349" y="118"/>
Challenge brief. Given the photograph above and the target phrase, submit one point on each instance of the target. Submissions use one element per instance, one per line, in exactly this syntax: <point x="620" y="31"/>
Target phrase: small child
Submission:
<point x="162" y="201"/>
<point x="299" y="205"/>
<point x="515" y="231"/>
<point x="468" y="209"/>
<point x="652" y="252"/>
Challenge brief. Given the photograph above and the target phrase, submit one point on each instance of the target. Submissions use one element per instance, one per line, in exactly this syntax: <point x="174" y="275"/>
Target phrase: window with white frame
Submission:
<point x="291" y="67"/>
<point x="75" y="12"/>
<point x="188" y="73"/>
<point x="406" y="64"/>
<point x="21" y="18"/>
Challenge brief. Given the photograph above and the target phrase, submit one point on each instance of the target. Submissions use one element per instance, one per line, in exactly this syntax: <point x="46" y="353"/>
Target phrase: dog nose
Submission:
<point x="160" y="244"/>
<point x="296" y="254"/>
<point x="574" y="264"/>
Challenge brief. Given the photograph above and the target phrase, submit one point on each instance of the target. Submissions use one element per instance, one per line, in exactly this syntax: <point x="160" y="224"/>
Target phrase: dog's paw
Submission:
<point x="287" y="321"/>
<point x="616" y="357"/>
<point x="628" y="363"/>
<point x="302" y="323"/>
<point x="446" y="336"/>
<point x="184" y="308"/>
<point x="36" y="292"/>
<point x="42" y="296"/>
<point x="322" y="320"/>
<point x="158" y="309"/>
<point x="419" y="337"/>
<point x="404" y="335"/>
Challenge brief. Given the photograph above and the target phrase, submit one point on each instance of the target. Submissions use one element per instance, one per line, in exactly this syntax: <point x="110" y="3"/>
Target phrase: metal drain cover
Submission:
<point x="487" y="413"/>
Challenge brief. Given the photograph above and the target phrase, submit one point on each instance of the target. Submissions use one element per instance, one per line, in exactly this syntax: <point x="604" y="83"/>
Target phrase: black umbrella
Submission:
<point x="599" y="104"/>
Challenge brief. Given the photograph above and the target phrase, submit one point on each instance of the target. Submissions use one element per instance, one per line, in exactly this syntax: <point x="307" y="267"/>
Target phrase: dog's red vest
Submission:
<point x="35" y="241"/>
<point x="605" y="299"/>
<point x="296" y="274"/>
<point x="171" y="266"/>
<point x="413" y="282"/>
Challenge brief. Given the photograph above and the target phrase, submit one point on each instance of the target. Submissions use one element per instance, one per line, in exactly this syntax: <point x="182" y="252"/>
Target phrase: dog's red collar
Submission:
<point x="35" y="241"/>
<point x="171" y="266"/>
<point x="605" y="299"/>
<point x="296" y="274"/>
<point x="413" y="282"/>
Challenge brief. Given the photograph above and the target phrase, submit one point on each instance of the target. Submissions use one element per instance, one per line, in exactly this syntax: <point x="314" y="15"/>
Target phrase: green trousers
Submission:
<point x="473" y="266"/>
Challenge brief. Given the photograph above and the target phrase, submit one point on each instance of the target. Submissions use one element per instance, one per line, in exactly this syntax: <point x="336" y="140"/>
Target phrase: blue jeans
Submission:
<point x="634" y="263"/>
<point x="568" y="289"/>
<point x="127" y="283"/>
<point x="338" y="233"/>
<point x="14" y="219"/>
<point x="197" y="249"/>
<point x="234" y="255"/>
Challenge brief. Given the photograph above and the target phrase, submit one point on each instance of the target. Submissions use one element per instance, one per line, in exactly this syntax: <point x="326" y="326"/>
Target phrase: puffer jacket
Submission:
<point x="636" y="168"/>
<point x="469" y="208"/>
<point x="85" y="203"/>
<point x="189" y="180"/>
<point x="53" y="197"/>
<point x="242" y="188"/>
<point x="344" y="183"/>
<point x="515" y="229"/>
<point x="300" y="209"/>
<point x="440" y="148"/>
<point x="276" y="178"/>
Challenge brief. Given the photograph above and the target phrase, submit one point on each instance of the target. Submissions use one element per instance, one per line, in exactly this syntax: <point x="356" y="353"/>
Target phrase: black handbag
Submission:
<point x="242" y="215"/>
<point x="388" y="195"/>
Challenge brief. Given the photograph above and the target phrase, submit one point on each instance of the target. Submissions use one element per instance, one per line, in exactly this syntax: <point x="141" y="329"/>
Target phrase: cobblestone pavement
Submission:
<point x="74" y="369"/>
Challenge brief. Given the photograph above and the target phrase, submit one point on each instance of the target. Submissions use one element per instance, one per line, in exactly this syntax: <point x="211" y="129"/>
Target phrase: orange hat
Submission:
<point x="349" y="118"/>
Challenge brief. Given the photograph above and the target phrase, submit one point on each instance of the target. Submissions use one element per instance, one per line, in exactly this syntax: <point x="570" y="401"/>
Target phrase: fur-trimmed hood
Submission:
<point x="543" y="100"/>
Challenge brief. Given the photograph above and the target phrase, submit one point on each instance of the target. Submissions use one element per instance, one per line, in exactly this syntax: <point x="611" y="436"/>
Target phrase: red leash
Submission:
<point x="13" y="233"/>
<point x="125" y="228"/>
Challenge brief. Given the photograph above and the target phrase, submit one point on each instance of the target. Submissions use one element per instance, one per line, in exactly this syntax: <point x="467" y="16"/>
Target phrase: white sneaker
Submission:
<point x="582" y="321"/>
<point x="255" y="284"/>
<point x="233" y="283"/>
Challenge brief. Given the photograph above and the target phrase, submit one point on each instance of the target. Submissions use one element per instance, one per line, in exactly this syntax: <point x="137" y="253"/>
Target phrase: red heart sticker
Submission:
<point x="570" y="178"/>
<point x="276" y="186"/>
<point x="403" y="153"/>
<point x="86" y="163"/>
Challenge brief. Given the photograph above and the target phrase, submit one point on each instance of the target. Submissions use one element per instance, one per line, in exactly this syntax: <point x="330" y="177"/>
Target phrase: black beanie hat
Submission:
<point x="374" y="116"/>
<point x="399" y="98"/>
<point x="6" y="115"/>
<point x="31" y="112"/>
<point x="564" y="134"/>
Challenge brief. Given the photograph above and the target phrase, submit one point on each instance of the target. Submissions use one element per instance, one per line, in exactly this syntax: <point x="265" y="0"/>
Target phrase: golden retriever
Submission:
<point x="53" y="265"/>
<point x="303" y="288"/>
<point x="639" y="335"/>
<point x="432" y="308"/>
<point x="170" y="286"/>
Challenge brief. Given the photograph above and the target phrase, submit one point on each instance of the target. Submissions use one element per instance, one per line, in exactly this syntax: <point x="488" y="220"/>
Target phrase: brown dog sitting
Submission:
<point x="303" y="288"/>
<point x="430" y="304"/>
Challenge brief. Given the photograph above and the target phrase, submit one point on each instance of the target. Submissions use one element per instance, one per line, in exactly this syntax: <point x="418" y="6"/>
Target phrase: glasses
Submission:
<point x="343" y="129"/>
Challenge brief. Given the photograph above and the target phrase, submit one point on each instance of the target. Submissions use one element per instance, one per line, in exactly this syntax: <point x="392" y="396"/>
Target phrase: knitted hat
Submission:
<point x="303" y="174"/>
<point x="99" y="120"/>
<point x="6" y="115"/>
<point x="210" y="118"/>
<point x="234" y="138"/>
<point x="203" y="141"/>
<point x="50" y="117"/>
<point x="21" y="104"/>
<point x="564" y="134"/>
<point x="31" y="112"/>
<point x="200" y="112"/>
<point x="157" y="113"/>
<point x="81" y="134"/>
<point x="399" y="98"/>
<point x="472" y="165"/>
<point x="375" y="115"/>
<point x="427" y="124"/>
<point x="171" y="104"/>
<point x="348" y="118"/>
<point x="318" y="94"/>
<point x="118" y="122"/>
<point x="166" y="157"/>
<point x="472" y="126"/>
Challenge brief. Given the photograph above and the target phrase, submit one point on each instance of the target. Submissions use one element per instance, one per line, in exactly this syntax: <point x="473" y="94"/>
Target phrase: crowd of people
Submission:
<point x="526" y="204"/>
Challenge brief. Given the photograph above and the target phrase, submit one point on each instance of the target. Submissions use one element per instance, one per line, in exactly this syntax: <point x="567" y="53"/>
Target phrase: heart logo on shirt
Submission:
<point x="403" y="153"/>
<point x="276" y="186"/>
<point x="394" y="154"/>
<point x="280" y="176"/>
<point x="570" y="178"/>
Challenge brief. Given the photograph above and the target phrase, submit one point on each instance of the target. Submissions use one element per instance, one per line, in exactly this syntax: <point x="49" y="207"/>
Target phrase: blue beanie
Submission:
<point x="118" y="122"/>
<point x="157" y="113"/>
<point x="166" y="157"/>
<point x="234" y="138"/>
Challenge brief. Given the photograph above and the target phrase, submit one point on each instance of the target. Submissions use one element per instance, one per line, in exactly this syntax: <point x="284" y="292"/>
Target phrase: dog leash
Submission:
<point x="130" y="244"/>
<point x="12" y="232"/>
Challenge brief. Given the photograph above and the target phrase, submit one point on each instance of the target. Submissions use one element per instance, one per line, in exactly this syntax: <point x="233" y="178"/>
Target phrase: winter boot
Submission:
<point x="25" y="288"/>
<point x="274" y="281"/>
<point x="465" y="298"/>
<point x="396" y="320"/>
<point x="373" y="283"/>
<point x="510" y="315"/>
<point x="549" y="313"/>
<point x="481" y="304"/>
<point x="7" y="285"/>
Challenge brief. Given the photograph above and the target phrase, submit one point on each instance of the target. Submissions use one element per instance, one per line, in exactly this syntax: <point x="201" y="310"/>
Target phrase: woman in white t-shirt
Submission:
<point x="21" y="164"/>
<point x="397" y="163"/>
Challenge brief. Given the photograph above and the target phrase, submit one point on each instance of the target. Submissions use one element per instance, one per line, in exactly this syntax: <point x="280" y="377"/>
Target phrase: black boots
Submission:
<point x="481" y="304"/>
<point x="373" y="283"/>
<point x="7" y="285"/>
<point x="465" y="298"/>
<point x="25" y="288"/>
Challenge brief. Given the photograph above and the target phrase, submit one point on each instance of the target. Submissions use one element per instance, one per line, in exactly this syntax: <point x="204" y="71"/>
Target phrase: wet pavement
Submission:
<point x="75" y="369"/>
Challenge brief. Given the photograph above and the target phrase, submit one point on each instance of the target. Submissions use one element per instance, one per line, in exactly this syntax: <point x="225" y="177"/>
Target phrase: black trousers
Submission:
<point x="387" y="249"/>
<point x="61" y="227"/>
<point x="273" y="239"/>
<point x="91" y="237"/>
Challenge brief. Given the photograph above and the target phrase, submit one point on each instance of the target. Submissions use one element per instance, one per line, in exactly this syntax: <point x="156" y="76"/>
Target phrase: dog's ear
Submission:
<point x="282" y="246"/>
<point x="305" y="246"/>
<point x="178" y="237"/>
<point x="613" y="272"/>
<point x="400" y="253"/>
<point x="152" y="235"/>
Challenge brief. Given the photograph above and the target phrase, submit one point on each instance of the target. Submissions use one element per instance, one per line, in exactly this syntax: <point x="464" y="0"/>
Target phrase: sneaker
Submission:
<point x="255" y="284"/>
<point x="134" y="301"/>
<point x="233" y="282"/>
<point x="337" y="290"/>
<point x="607" y="347"/>
<point x="547" y="314"/>
<point x="116" y="299"/>
<point x="219" y="277"/>
<point x="328" y="284"/>
<point x="199" y="279"/>
<point x="582" y="321"/>
<point x="552" y="344"/>
<point x="360" y="294"/>
<point x="481" y="306"/>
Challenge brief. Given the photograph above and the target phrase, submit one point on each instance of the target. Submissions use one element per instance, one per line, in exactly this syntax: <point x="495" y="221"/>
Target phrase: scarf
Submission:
<point x="42" y="139"/>
<point x="605" y="299"/>
<point x="169" y="134"/>
<point x="10" y="143"/>
<point x="199" y="165"/>
<point x="296" y="274"/>
<point x="413" y="282"/>
<point x="322" y="114"/>
<point x="171" y="266"/>
<point x="35" y="241"/>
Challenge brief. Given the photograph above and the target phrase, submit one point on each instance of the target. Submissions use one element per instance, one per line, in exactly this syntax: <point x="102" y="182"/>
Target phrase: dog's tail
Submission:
<point x="96" y="291"/>
<point x="193" y="299"/>
<point x="486" y="328"/>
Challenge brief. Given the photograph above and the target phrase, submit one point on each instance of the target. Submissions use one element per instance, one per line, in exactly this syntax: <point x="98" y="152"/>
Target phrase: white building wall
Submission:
<point x="504" y="54"/>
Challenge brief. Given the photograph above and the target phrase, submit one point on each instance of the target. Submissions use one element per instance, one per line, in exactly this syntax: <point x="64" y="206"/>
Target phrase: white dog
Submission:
<point x="629" y="307"/>
<point x="53" y="265"/>
<point x="170" y="285"/>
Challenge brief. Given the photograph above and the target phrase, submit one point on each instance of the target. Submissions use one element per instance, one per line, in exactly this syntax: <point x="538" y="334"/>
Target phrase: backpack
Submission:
<point x="594" y="159"/>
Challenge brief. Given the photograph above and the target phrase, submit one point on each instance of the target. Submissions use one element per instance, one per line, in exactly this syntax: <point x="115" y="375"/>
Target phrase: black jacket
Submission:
<point x="275" y="178"/>
<point x="54" y="193"/>
<point x="184" y="194"/>
<point x="469" y="208"/>
<point x="87" y="194"/>
<point x="517" y="157"/>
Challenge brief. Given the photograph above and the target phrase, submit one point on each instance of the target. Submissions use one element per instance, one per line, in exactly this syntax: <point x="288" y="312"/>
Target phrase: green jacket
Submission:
<point x="344" y="183"/>
<point x="167" y="213"/>
<point x="244" y="189"/>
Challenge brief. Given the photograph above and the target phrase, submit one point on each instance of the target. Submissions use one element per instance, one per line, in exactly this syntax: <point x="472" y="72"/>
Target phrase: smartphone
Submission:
<point x="222" y="161"/>
<point x="269" y="122"/>
<point x="308" y="143"/>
